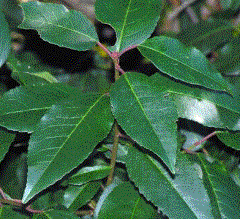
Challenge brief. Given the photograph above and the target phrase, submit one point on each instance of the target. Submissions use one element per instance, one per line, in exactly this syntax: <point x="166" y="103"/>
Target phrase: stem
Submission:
<point x="104" y="49"/>
<point x="202" y="140"/>
<point x="129" y="48"/>
<point x="114" y="154"/>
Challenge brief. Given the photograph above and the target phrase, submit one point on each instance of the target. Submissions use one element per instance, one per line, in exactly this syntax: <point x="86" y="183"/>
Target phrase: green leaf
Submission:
<point x="22" y="107"/>
<point x="88" y="174"/>
<point x="4" y="39"/>
<point x="133" y="20"/>
<point x="181" y="197"/>
<point x="58" y="25"/>
<point x="125" y="202"/>
<point x="6" y="138"/>
<point x="77" y="196"/>
<point x="65" y="137"/>
<point x="26" y="75"/>
<point x="14" y="174"/>
<point x="209" y="108"/>
<point x="146" y="115"/>
<point x="207" y="35"/>
<point x="230" y="139"/>
<point x="223" y="192"/>
<point x="8" y="212"/>
<point x="186" y="64"/>
<point x="56" y="214"/>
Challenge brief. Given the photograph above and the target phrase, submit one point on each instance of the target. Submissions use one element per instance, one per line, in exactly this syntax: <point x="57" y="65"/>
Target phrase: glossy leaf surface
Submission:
<point x="88" y="174"/>
<point x="209" y="108"/>
<point x="22" y="107"/>
<point x="125" y="202"/>
<point x="77" y="196"/>
<point x="133" y="20"/>
<point x="65" y="137"/>
<point x="4" y="39"/>
<point x="223" y="192"/>
<point x="58" y="25"/>
<point x="230" y="139"/>
<point x="186" y="64"/>
<point x="181" y="197"/>
<point x="146" y="115"/>
<point x="6" y="139"/>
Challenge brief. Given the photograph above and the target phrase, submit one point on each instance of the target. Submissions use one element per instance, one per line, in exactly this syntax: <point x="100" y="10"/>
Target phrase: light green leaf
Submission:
<point x="88" y="174"/>
<point x="181" y="197"/>
<point x="65" y="137"/>
<point x="133" y="20"/>
<point x="58" y="25"/>
<point x="125" y="202"/>
<point x="186" y="64"/>
<point x="77" y="196"/>
<point x="4" y="39"/>
<point x="230" y="139"/>
<point x="22" y="107"/>
<point x="146" y="115"/>
<point x="223" y="192"/>
<point x="209" y="108"/>
<point x="6" y="138"/>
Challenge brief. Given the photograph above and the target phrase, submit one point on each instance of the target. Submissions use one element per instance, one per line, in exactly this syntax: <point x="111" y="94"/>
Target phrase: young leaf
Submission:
<point x="22" y="107"/>
<point x="230" y="139"/>
<point x="133" y="20"/>
<point x="88" y="174"/>
<point x="125" y="202"/>
<point x="4" y="39"/>
<point x="58" y="25"/>
<point x="186" y="64"/>
<point x="181" y="197"/>
<point x="223" y="192"/>
<point x="65" y="137"/>
<point x="146" y="114"/>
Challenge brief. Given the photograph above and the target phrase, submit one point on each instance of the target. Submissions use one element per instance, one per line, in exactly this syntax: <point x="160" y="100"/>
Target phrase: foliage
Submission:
<point x="122" y="138"/>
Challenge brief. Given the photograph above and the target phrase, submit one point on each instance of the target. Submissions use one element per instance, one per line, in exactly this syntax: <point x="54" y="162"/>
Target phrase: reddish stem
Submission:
<point x="127" y="49"/>
<point x="104" y="49"/>
<point x="205" y="139"/>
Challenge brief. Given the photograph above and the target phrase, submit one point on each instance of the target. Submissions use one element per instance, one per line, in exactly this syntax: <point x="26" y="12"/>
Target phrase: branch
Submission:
<point x="178" y="10"/>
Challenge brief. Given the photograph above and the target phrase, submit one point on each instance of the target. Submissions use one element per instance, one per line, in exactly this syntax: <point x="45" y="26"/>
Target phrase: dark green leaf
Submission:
<point x="229" y="139"/>
<point x="223" y="192"/>
<point x="146" y="115"/>
<point x="4" y="39"/>
<point x="125" y="202"/>
<point x="58" y="25"/>
<point x="21" y="108"/>
<point x="14" y="174"/>
<point x="181" y="197"/>
<point x="65" y="137"/>
<point x="133" y="20"/>
<point x="186" y="64"/>
<point x="26" y="75"/>
<point x="6" y="139"/>
<point x="88" y="174"/>
<point x="56" y="214"/>
<point x="77" y="196"/>
<point x="9" y="213"/>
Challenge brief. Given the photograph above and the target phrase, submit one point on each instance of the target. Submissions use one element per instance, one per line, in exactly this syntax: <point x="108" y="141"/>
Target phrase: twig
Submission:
<point x="183" y="6"/>
<point x="114" y="154"/>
